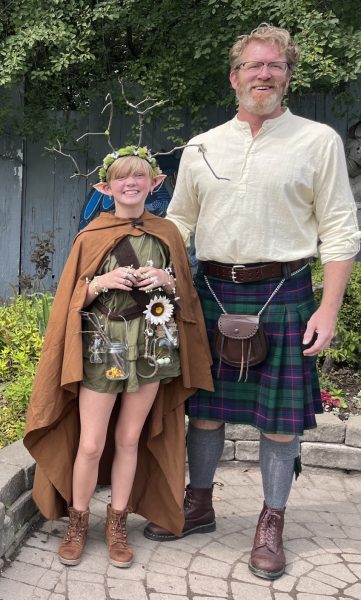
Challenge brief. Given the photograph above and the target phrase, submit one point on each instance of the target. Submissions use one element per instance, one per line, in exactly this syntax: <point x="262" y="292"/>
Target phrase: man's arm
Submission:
<point x="183" y="208"/>
<point x="323" y="320"/>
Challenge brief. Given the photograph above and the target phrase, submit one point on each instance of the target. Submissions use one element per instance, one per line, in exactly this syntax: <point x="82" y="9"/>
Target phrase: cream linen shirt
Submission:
<point x="287" y="194"/>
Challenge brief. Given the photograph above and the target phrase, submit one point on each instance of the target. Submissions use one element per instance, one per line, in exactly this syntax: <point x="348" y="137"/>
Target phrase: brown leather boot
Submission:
<point x="267" y="557"/>
<point x="72" y="546"/>
<point x="198" y="513"/>
<point x="120" y="553"/>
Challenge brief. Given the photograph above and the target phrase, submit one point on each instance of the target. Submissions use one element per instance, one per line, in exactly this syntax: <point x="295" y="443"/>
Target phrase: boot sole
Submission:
<point x="121" y="565"/>
<point x="265" y="574"/>
<point x="69" y="562"/>
<point x="156" y="537"/>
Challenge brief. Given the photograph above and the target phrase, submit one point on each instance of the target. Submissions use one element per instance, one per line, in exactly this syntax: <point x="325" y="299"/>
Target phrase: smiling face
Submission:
<point x="260" y="92"/>
<point x="129" y="193"/>
<point x="129" y="181"/>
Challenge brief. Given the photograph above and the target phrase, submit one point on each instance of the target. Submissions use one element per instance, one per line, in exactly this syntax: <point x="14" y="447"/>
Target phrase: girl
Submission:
<point x="119" y="277"/>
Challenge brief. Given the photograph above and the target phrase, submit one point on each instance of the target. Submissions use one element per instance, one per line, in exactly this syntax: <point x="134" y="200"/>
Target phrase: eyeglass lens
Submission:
<point x="274" y="67"/>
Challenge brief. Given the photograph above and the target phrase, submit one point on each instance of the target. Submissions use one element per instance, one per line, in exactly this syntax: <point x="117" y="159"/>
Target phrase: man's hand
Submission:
<point x="319" y="332"/>
<point x="323" y="320"/>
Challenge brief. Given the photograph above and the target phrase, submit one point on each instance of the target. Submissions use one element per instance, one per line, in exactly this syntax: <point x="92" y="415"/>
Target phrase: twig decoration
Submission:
<point x="141" y="115"/>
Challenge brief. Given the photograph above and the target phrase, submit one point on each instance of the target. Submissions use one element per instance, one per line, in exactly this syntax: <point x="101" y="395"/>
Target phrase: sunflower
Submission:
<point x="159" y="310"/>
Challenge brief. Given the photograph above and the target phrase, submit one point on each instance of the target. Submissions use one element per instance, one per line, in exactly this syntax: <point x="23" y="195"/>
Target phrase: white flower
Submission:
<point x="159" y="310"/>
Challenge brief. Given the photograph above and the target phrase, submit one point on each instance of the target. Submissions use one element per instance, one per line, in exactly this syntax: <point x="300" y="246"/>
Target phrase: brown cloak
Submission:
<point x="52" y="429"/>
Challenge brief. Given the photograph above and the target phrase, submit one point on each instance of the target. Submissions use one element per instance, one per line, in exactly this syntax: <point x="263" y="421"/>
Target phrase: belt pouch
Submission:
<point x="240" y="341"/>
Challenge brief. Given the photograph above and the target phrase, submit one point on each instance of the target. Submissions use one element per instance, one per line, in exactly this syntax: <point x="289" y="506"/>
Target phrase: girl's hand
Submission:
<point x="121" y="278"/>
<point x="149" y="278"/>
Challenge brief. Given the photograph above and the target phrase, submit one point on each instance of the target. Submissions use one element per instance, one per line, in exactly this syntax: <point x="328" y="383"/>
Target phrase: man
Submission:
<point x="269" y="192"/>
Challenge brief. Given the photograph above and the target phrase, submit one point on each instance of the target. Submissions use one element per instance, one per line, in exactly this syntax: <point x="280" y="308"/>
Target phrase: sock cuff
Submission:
<point x="281" y="450"/>
<point x="206" y="433"/>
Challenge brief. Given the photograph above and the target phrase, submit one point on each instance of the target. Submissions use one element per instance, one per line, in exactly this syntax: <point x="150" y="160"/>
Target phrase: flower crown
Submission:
<point x="140" y="151"/>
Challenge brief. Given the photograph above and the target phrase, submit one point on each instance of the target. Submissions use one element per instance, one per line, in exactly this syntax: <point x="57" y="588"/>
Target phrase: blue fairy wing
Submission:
<point x="95" y="203"/>
<point x="107" y="203"/>
<point x="157" y="202"/>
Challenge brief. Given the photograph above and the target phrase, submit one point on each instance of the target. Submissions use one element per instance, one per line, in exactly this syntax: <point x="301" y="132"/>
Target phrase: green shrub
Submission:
<point x="346" y="348"/>
<point x="22" y="326"/>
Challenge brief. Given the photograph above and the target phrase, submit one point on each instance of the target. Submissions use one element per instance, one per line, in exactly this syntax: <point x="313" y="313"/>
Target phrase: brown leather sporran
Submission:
<point x="240" y="340"/>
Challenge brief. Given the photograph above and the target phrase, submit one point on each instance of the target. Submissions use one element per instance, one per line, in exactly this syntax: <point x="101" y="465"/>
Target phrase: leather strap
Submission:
<point x="126" y="256"/>
<point x="130" y="313"/>
<point x="244" y="274"/>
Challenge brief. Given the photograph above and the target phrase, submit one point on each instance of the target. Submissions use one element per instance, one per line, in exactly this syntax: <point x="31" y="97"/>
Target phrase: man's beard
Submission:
<point x="261" y="104"/>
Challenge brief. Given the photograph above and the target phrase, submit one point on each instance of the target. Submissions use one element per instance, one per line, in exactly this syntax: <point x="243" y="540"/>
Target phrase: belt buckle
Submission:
<point x="234" y="273"/>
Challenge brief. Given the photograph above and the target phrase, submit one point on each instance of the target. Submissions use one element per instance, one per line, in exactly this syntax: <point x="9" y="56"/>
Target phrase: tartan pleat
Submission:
<point x="282" y="394"/>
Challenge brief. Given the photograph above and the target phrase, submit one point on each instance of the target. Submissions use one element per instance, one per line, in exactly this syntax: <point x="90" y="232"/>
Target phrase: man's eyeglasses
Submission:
<point x="276" y="67"/>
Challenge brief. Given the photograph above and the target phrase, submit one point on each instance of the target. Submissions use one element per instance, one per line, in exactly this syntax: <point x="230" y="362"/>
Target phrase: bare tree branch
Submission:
<point x="77" y="172"/>
<point x="140" y="113"/>
<point x="110" y="121"/>
<point x="201" y="149"/>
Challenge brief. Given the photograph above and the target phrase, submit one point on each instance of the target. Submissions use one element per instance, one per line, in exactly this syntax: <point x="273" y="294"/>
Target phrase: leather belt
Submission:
<point x="129" y="313"/>
<point x="246" y="274"/>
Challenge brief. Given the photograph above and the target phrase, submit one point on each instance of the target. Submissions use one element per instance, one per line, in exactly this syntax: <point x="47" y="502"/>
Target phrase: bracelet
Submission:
<point x="97" y="289"/>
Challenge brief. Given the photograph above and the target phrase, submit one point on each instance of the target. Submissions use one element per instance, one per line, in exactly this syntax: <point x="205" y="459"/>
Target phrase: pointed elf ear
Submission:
<point x="102" y="187"/>
<point x="158" y="180"/>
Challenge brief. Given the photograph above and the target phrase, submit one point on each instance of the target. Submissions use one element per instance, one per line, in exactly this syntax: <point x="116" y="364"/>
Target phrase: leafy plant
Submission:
<point x="15" y="400"/>
<point x="42" y="311"/>
<point x="346" y="348"/>
<point x="22" y="326"/>
<point x="62" y="52"/>
<point x="44" y="248"/>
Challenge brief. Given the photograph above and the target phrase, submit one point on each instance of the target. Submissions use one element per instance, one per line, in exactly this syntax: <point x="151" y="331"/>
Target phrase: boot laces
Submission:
<point x="188" y="498"/>
<point x="75" y="530"/>
<point x="189" y="495"/>
<point x="119" y="530"/>
<point x="268" y="529"/>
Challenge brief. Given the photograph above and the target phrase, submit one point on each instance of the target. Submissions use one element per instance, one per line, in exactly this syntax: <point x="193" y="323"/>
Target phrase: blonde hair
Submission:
<point x="266" y="33"/>
<point x="128" y="165"/>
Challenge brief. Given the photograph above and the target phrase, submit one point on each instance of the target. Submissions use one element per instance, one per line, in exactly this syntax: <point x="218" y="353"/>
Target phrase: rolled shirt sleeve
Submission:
<point x="335" y="208"/>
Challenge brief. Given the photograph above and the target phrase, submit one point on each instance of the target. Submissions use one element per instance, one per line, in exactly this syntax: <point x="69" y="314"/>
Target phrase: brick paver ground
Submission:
<point x="322" y="540"/>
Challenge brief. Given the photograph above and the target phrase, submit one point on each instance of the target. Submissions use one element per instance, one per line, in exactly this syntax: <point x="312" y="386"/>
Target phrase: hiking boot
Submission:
<point x="198" y="514"/>
<point x="267" y="557"/>
<point x="120" y="553"/>
<point x="72" y="546"/>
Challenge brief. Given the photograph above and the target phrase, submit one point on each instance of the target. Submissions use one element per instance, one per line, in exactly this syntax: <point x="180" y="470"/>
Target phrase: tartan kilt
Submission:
<point x="282" y="394"/>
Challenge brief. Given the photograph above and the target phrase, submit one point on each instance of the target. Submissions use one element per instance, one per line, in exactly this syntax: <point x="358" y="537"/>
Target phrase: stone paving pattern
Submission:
<point x="322" y="541"/>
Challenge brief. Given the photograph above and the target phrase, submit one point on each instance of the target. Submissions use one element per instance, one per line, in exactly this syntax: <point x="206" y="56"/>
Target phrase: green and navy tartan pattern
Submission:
<point x="282" y="394"/>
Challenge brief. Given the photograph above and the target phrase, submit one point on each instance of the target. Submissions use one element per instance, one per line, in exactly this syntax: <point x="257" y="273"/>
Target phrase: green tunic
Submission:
<point x="146" y="248"/>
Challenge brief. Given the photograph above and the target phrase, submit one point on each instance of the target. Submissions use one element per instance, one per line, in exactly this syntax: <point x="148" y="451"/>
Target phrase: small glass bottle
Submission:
<point x="163" y="351"/>
<point x="97" y="349"/>
<point x="117" y="367"/>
